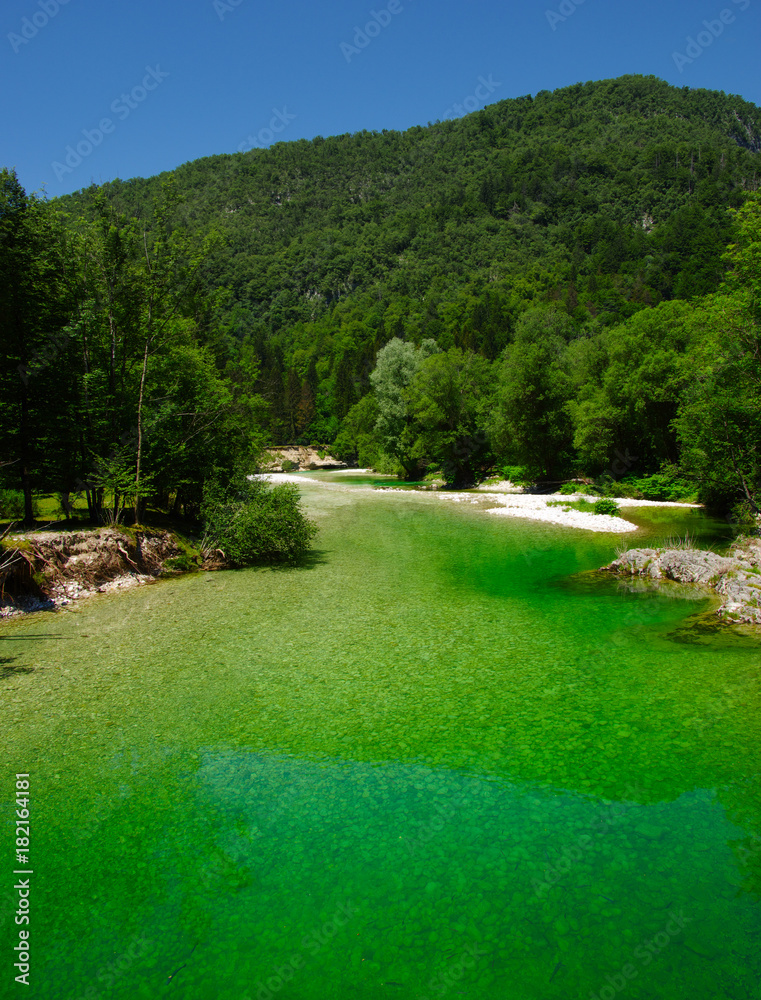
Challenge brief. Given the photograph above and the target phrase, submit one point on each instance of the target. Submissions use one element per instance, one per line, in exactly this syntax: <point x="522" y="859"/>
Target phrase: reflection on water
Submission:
<point x="443" y="761"/>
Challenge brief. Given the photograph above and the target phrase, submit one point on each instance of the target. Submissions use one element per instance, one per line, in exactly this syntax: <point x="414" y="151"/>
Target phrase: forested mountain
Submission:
<point x="604" y="197"/>
<point x="537" y="235"/>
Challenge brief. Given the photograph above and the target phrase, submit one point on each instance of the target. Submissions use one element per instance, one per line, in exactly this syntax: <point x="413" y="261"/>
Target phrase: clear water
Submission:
<point x="441" y="760"/>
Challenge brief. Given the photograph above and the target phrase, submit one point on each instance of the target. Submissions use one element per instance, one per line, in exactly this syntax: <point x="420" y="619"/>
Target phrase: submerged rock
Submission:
<point x="735" y="577"/>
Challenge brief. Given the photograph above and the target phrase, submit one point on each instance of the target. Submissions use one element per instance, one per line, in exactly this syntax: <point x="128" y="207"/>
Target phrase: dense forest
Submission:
<point x="555" y="286"/>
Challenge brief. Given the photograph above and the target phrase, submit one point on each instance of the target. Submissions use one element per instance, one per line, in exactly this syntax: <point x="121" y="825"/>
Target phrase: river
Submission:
<point x="442" y="759"/>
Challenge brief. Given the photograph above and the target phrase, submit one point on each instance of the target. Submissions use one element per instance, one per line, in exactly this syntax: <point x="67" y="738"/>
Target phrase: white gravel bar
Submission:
<point x="511" y="502"/>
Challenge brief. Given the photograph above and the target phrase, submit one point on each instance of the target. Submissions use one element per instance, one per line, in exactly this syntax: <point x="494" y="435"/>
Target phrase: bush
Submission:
<point x="605" y="505"/>
<point x="581" y="505"/>
<point x="11" y="505"/>
<point x="665" y="485"/>
<point x="257" y="523"/>
<point x="568" y="488"/>
<point x="744" y="519"/>
<point x="287" y="465"/>
<point x="516" y="474"/>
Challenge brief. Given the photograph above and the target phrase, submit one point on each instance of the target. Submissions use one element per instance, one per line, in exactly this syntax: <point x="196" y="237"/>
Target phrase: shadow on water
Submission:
<point x="6" y="672"/>
<point x="313" y="559"/>
<point x="32" y="638"/>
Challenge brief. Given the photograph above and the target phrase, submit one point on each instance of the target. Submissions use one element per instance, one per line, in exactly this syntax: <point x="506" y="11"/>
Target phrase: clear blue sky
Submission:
<point x="230" y="65"/>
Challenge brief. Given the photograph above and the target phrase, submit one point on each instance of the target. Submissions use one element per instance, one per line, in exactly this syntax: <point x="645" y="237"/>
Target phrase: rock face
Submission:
<point x="736" y="577"/>
<point x="43" y="570"/>
<point x="300" y="457"/>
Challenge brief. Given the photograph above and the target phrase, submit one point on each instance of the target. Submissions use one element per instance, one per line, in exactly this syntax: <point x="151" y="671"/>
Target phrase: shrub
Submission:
<point x="287" y="465"/>
<point x="665" y="485"/>
<point x="257" y="523"/>
<point x="581" y="505"/>
<point x="568" y="488"/>
<point x="11" y="505"/>
<point x="516" y="474"/>
<point x="605" y="505"/>
<point x="745" y="519"/>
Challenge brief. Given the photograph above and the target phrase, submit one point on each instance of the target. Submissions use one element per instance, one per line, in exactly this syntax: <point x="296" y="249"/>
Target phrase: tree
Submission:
<point x="35" y="340"/>
<point x="530" y="420"/>
<point x="629" y="403"/>
<point x="171" y="264"/>
<point x="719" y="421"/>
<point x="448" y="399"/>
<point x="357" y="440"/>
<point x="398" y="363"/>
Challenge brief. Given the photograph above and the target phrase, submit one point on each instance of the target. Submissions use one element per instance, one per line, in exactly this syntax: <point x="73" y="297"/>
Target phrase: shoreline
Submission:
<point x="735" y="578"/>
<point x="510" y="501"/>
<point x="55" y="569"/>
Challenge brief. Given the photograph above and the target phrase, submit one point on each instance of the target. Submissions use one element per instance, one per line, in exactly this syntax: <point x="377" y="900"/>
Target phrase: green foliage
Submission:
<point x="606" y="505"/>
<point x="745" y="519"/>
<point x="448" y="401"/>
<point x="397" y="365"/>
<point x="287" y="465"/>
<point x="11" y="505"/>
<point x="358" y="442"/>
<point x="256" y="523"/>
<point x="567" y="489"/>
<point x="545" y="283"/>
<point x="719" y="421"/>
<point x="530" y="420"/>
<point x="581" y="505"/>
<point x="184" y="563"/>
<point x="667" y="485"/>
<point x="518" y="475"/>
<point x="603" y="199"/>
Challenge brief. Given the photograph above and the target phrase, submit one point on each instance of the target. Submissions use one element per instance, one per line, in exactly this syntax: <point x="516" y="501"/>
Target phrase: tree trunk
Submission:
<point x="138" y="504"/>
<point x="26" y="482"/>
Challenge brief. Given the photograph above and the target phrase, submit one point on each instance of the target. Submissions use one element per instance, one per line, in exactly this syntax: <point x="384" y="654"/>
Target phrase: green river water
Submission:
<point x="440" y="760"/>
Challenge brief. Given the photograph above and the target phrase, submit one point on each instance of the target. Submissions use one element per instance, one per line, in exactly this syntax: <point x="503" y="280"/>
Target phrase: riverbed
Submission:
<point x="442" y="759"/>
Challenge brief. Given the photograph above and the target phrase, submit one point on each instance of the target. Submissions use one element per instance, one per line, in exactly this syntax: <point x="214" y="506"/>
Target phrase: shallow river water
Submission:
<point x="442" y="759"/>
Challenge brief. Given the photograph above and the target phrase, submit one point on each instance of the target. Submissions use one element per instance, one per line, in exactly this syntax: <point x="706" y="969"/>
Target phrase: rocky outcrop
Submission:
<point x="736" y="578"/>
<point x="297" y="457"/>
<point x="47" y="569"/>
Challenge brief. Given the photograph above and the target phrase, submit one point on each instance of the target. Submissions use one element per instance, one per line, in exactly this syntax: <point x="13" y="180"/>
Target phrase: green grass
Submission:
<point x="603" y="505"/>
<point x="583" y="505"/>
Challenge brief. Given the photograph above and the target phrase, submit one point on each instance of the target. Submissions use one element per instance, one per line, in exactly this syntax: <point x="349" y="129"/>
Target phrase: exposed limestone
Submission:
<point x="299" y="457"/>
<point x="736" y="578"/>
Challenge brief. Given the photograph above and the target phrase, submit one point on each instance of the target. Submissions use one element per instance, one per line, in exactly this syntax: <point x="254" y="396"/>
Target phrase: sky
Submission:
<point x="99" y="89"/>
